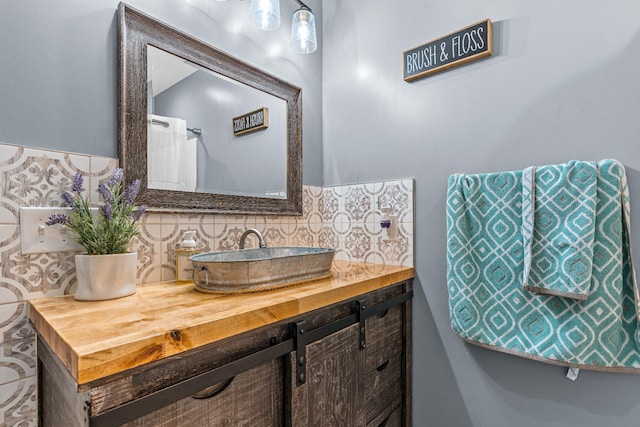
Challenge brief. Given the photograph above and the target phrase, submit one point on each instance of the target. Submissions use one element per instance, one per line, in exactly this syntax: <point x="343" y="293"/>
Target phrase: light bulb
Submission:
<point x="303" y="31"/>
<point x="265" y="14"/>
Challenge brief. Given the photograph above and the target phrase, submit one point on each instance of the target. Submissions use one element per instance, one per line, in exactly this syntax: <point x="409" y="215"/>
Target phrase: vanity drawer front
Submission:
<point x="383" y="387"/>
<point x="383" y="336"/>
<point x="252" y="398"/>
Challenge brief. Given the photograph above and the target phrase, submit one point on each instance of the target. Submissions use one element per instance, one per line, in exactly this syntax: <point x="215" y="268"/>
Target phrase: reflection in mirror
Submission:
<point x="191" y="143"/>
<point x="252" y="167"/>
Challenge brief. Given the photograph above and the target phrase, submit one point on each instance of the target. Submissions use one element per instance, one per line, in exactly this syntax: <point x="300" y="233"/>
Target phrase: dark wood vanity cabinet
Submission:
<point x="348" y="364"/>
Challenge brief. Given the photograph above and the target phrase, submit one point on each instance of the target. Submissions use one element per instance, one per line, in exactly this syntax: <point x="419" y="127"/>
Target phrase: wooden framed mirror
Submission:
<point x="140" y="33"/>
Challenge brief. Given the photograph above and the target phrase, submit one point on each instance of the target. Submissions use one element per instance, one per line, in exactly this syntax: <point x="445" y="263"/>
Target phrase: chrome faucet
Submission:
<point x="261" y="242"/>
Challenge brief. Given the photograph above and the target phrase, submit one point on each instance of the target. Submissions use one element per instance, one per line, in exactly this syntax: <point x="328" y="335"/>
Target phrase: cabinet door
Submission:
<point x="334" y="389"/>
<point x="252" y="398"/>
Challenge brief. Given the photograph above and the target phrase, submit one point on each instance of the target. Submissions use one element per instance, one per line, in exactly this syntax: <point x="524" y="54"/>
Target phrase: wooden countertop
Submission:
<point x="101" y="338"/>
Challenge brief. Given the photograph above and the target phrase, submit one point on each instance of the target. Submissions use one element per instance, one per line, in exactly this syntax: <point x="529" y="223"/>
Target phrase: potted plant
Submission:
<point x="108" y="269"/>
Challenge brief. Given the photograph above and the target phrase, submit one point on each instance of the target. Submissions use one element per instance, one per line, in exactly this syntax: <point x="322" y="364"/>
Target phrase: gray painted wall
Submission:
<point x="563" y="84"/>
<point x="59" y="70"/>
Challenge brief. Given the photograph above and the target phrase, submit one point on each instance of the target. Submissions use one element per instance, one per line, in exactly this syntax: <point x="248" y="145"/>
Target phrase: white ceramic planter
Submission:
<point x="102" y="277"/>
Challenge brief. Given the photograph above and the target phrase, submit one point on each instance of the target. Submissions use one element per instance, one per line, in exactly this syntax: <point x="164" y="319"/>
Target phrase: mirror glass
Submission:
<point x="200" y="133"/>
<point x="203" y="130"/>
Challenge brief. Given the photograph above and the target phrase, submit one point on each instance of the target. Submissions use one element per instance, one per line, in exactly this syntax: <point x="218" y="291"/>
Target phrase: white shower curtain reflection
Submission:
<point x="188" y="170"/>
<point x="171" y="159"/>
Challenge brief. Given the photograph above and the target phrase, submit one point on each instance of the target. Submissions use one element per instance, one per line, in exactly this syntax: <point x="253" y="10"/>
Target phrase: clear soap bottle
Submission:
<point x="184" y="266"/>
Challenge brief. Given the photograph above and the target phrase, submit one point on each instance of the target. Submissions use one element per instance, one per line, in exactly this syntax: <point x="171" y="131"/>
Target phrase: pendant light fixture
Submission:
<point x="265" y="14"/>
<point x="303" y="30"/>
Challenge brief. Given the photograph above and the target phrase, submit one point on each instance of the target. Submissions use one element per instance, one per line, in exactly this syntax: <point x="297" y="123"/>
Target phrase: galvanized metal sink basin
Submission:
<point x="252" y="270"/>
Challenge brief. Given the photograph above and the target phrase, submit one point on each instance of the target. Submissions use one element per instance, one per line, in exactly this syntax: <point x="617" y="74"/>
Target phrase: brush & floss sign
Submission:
<point x="468" y="44"/>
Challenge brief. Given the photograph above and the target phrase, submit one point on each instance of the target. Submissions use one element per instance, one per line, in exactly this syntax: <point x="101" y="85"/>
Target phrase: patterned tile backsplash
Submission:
<point x="346" y="218"/>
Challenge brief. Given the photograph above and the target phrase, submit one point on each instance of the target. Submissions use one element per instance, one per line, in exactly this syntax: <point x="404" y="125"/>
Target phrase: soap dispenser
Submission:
<point x="184" y="266"/>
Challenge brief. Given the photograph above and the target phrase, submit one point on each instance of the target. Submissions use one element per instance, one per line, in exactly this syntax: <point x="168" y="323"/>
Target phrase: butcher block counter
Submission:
<point x="171" y="355"/>
<point x="100" y="338"/>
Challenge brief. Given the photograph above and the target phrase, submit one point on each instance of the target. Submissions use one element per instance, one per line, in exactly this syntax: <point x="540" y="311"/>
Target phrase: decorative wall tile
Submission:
<point x="230" y="238"/>
<point x="18" y="403"/>
<point x="32" y="178"/>
<point x="193" y="219"/>
<point x="17" y="367"/>
<point x="302" y="237"/>
<point x="12" y="288"/>
<point x="328" y="238"/>
<point x="148" y="244"/>
<point x="42" y="176"/>
<point x="358" y="203"/>
<point x="273" y="236"/>
<point x="329" y="204"/>
<point x="32" y="276"/>
<point x="393" y="251"/>
<point x="8" y="154"/>
<point x="40" y="275"/>
<point x="151" y="218"/>
<point x="7" y="213"/>
<point x="17" y="358"/>
<point x="358" y="243"/>
<point x="310" y="198"/>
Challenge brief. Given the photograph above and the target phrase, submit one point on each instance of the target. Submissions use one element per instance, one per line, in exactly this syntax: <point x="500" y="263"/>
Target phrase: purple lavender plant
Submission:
<point x="113" y="227"/>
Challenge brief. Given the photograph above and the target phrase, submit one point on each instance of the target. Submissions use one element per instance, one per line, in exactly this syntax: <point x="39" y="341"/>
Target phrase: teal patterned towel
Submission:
<point x="558" y="228"/>
<point x="488" y="303"/>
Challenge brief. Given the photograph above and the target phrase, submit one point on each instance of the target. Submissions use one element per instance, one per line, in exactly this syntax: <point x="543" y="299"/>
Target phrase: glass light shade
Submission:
<point x="265" y="14"/>
<point x="303" y="31"/>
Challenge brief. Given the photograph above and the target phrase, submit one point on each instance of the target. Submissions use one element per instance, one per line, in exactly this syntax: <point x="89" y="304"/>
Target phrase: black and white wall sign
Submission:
<point x="465" y="45"/>
<point x="249" y="122"/>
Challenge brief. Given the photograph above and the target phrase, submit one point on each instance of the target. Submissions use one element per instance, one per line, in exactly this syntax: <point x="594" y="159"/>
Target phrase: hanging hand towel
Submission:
<point x="488" y="304"/>
<point x="558" y="228"/>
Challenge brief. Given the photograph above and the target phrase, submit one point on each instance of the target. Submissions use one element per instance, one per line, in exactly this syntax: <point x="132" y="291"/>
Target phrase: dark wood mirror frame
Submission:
<point x="136" y="30"/>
